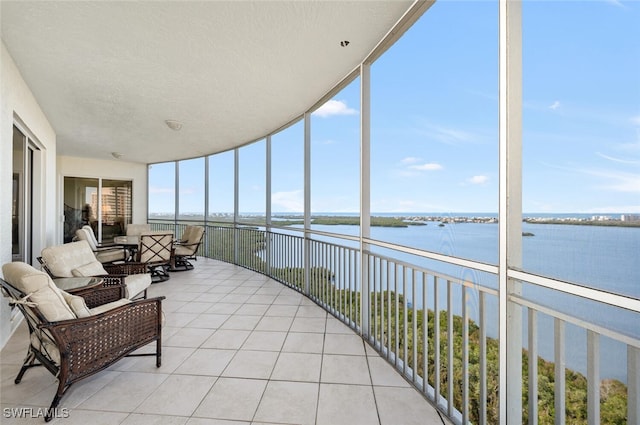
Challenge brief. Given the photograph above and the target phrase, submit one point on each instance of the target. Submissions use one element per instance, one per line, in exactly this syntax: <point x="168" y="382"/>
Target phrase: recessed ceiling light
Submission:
<point x="344" y="43"/>
<point x="173" y="124"/>
<point x="117" y="155"/>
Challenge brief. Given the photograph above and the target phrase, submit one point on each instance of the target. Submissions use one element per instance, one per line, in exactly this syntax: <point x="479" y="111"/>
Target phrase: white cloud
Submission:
<point x="555" y="105"/>
<point x="430" y="166"/>
<point x="334" y="107"/>
<point x="410" y="160"/>
<point x="622" y="161"/>
<point x="478" y="179"/>
<point x="292" y="201"/>
<point x="618" y="181"/>
<point x="616" y="3"/>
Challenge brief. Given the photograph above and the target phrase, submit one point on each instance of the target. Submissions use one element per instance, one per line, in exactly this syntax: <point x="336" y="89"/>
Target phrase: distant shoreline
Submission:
<point x="400" y="220"/>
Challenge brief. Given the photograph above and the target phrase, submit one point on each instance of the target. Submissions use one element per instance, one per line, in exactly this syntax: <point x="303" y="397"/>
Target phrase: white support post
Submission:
<point x="268" y="206"/>
<point x="307" y="203"/>
<point x="510" y="209"/>
<point x="365" y="192"/>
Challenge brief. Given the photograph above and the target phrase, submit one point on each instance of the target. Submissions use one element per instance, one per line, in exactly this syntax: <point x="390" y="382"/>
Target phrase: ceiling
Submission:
<point x="107" y="74"/>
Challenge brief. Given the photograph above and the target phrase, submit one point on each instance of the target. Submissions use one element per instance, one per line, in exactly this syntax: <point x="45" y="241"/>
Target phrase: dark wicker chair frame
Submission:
<point x="117" y="273"/>
<point x="155" y="251"/>
<point x="91" y="344"/>
<point x="181" y="262"/>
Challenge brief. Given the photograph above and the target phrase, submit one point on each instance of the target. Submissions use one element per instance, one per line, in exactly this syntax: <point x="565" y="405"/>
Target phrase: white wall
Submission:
<point x="96" y="168"/>
<point x="18" y="103"/>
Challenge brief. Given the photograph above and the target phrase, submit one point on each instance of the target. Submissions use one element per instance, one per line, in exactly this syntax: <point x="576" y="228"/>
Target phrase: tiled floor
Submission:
<point x="238" y="348"/>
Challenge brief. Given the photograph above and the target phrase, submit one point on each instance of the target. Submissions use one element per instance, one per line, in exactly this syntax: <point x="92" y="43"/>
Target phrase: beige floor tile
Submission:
<point x="347" y="405"/>
<point x="282" y="310"/>
<point x="210" y="362"/>
<point x="84" y="417"/>
<point x="233" y="399"/>
<point x="304" y="342"/>
<point x="265" y="340"/>
<point x="261" y="299"/>
<point x="209" y="421"/>
<point x="251" y="364"/>
<point x="224" y="308"/>
<point x="151" y="419"/>
<point x="343" y="344"/>
<point x="308" y="324"/>
<point x="125" y="393"/>
<point x="311" y="311"/>
<point x="339" y="369"/>
<point x="405" y="406"/>
<point x="383" y="373"/>
<point x="304" y="367"/>
<point x="273" y="323"/>
<point x="180" y="395"/>
<point x="335" y="326"/>
<point x="189" y="337"/>
<point x="253" y="309"/>
<point x="236" y="298"/>
<point x="208" y="320"/>
<point x="179" y="320"/>
<point x="194" y="307"/>
<point x="246" y="323"/>
<point x="226" y="339"/>
<point x="283" y="299"/>
<point x="288" y="403"/>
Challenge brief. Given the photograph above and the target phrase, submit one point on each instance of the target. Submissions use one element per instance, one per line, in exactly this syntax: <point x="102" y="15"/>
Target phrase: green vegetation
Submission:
<point x="350" y="221"/>
<point x="388" y="312"/>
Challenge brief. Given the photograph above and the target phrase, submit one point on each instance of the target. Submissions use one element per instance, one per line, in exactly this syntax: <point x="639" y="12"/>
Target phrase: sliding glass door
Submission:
<point x="103" y="204"/>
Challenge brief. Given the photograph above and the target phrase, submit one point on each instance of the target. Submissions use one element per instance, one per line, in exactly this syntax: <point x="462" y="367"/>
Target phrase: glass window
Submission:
<point x="287" y="175"/>
<point x="162" y="192"/>
<point x="581" y="154"/>
<point x="252" y="190"/>
<point x="434" y="134"/>
<point x="335" y="163"/>
<point x="221" y="191"/>
<point x="191" y="190"/>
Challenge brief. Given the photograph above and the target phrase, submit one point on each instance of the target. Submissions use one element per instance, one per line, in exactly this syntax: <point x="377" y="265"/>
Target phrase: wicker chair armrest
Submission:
<point x="95" y="297"/>
<point x="130" y="267"/>
<point x="90" y="344"/>
<point x="112" y="279"/>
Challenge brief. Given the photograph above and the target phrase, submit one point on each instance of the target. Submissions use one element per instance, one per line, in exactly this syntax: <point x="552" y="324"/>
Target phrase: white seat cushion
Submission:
<point x="137" y="283"/>
<point x="108" y="306"/>
<point x="93" y="268"/>
<point x="62" y="259"/>
<point x="40" y="289"/>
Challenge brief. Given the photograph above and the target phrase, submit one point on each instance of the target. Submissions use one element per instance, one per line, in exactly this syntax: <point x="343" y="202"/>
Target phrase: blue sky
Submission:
<point x="434" y="134"/>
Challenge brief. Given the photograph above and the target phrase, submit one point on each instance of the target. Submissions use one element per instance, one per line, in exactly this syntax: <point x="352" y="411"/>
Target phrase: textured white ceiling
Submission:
<point x="108" y="74"/>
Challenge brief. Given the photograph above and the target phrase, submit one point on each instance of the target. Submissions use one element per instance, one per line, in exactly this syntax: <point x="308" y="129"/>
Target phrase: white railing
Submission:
<point x="406" y="313"/>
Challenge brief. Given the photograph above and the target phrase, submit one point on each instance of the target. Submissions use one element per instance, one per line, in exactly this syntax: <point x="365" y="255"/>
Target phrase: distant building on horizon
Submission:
<point x="630" y="217"/>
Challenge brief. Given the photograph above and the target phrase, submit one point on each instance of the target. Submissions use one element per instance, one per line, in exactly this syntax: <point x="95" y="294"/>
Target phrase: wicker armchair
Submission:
<point x="74" y="338"/>
<point x="187" y="248"/>
<point x="76" y="259"/>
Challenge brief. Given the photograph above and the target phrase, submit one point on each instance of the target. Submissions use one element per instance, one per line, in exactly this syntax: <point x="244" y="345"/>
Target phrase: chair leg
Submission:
<point x="28" y="363"/>
<point x="56" y="399"/>
<point x="159" y="351"/>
